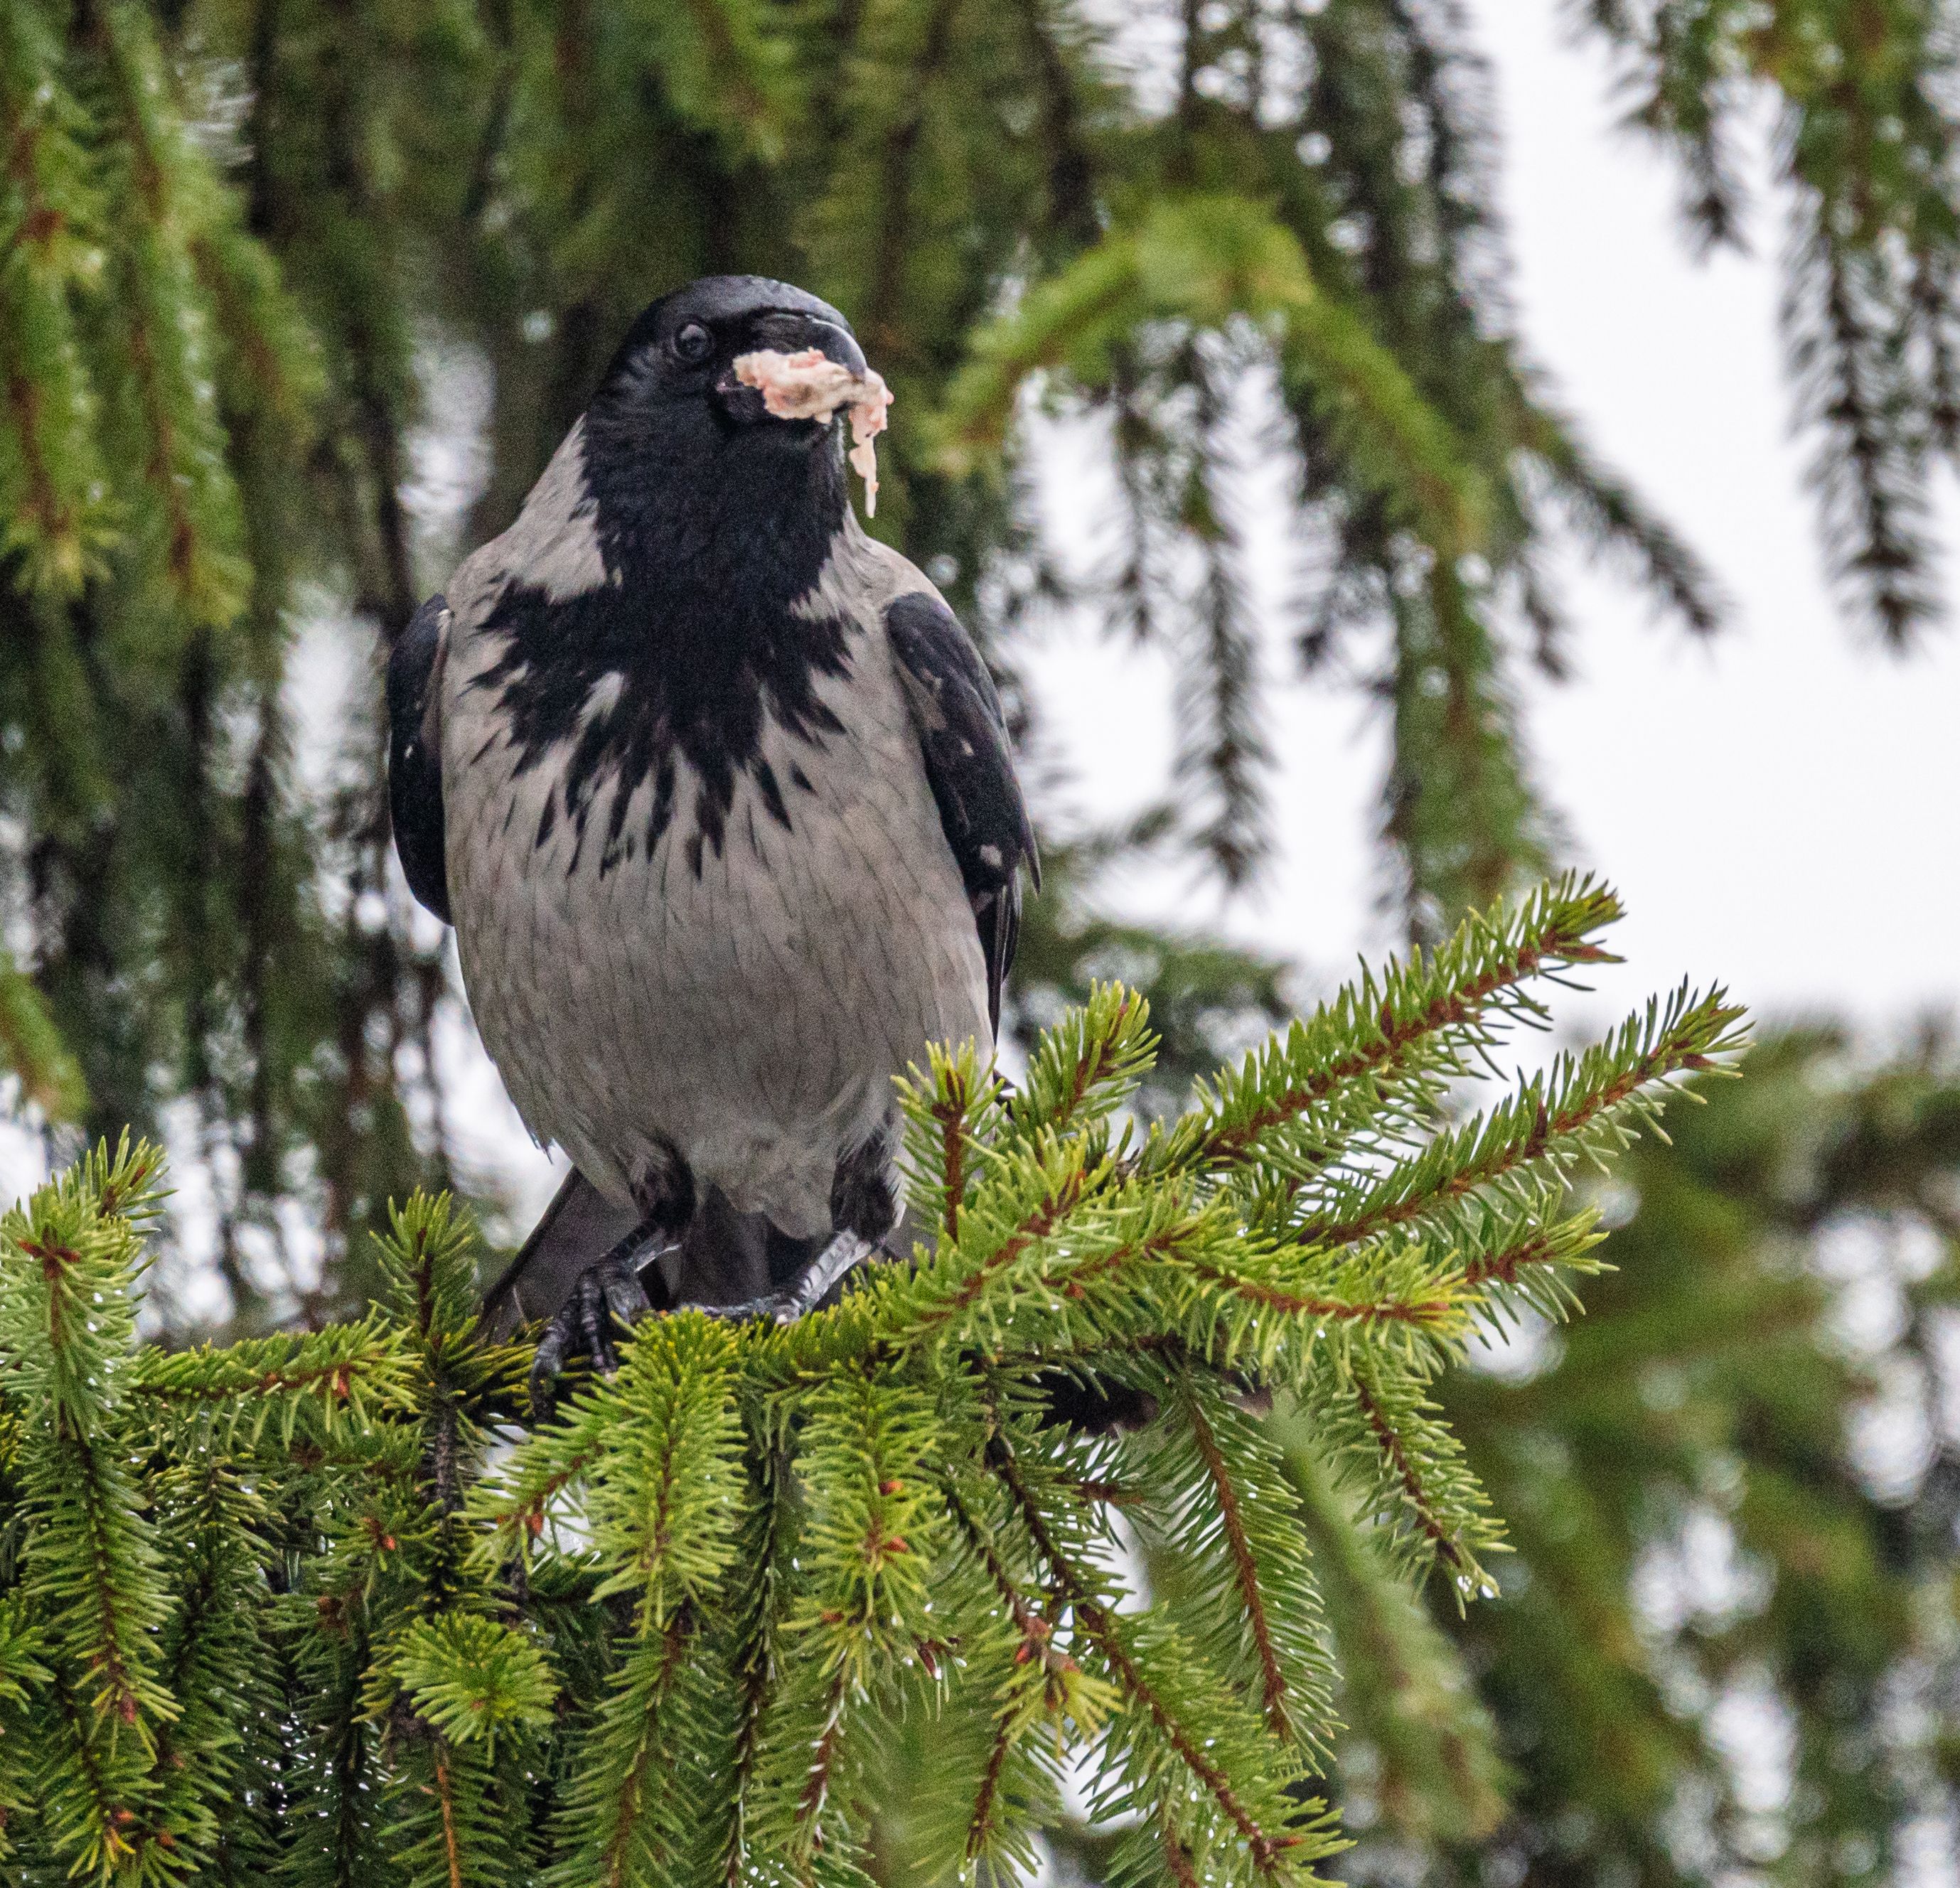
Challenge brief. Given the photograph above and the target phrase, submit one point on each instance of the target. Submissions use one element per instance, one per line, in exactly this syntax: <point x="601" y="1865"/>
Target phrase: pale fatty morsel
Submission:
<point x="809" y="386"/>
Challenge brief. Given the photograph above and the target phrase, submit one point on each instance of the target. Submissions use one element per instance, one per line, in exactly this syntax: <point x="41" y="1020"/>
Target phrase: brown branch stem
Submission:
<point x="1245" y="1569"/>
<point x="1095" y="1622"/>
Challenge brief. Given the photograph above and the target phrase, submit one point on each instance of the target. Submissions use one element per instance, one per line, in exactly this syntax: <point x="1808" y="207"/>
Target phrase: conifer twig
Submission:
<point x="1245" y="1573"/>
<point x="1100" y="1625"/>
<point x="1420" y="1505"/>
<point x="1540" y="1120"/>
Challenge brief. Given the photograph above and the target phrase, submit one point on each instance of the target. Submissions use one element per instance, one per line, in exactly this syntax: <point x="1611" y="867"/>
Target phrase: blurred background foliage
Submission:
<point x="296" y="296"/>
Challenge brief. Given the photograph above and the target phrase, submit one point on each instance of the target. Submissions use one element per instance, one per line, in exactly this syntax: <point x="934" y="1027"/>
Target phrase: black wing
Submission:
<point x="415" y="753"/>
<point x="963" y="736"/>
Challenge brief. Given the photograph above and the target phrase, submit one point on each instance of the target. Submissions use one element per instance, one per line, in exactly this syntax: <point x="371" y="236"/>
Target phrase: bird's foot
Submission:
<point x="607" y="1293"/>
<point x="841" y="1257"/>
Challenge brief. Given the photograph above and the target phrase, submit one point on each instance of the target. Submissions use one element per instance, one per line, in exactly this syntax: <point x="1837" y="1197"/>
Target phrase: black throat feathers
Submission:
<point x="707" y="535"/>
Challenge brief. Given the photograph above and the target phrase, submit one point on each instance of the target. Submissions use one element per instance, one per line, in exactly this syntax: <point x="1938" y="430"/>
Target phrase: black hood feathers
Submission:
<point x="712" y="518"/>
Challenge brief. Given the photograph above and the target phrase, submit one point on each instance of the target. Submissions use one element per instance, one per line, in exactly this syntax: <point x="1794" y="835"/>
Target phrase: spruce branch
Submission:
<point x="1261" y="1541"/>
<point x="1424" y="1302"/>
<point x="621" y="1819"/>
<point x="1865" y="160"/>
<point x="52" y="496"/>
<point x="1422" y="1505"/>
<point x="1222" y="748"/>
<point x="949" y="1113"/>
<point x="1589" y="1104"/>
<point x="321" y="1385"/>
<point x="194" y="525"/>
<point x="1460" y="807"/>
<point x="1402" y="1687"/>
<point x="1870" y="469"/>
<point x="1416" y="1024"/>
<point x="1087" y="1067"/>
<point x="664" y="1500"/>
<point x="1203" y="261"/>
<point x="93" y="1568"/>
<point x="312" y="1597"/>
<point x="1037" y="1700"/>
<point x="754" y="1657"/>
<point x="1617" y="522"/>
<point x="1281" y="1843"/>
<point x="475" y="1680"/>
<point x="31" y="1049"/>
<point x="214" y="1650"/>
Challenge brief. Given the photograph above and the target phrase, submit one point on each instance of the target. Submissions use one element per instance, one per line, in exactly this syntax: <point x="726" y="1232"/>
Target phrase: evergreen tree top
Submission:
<point x="320" y="1602"/>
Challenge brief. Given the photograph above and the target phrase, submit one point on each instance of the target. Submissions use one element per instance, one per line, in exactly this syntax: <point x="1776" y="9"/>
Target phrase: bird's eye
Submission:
<point x="693" y="344"/>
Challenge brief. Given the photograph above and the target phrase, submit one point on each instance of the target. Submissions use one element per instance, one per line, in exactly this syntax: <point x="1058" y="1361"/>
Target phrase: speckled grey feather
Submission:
<point x="751" y="1017"/>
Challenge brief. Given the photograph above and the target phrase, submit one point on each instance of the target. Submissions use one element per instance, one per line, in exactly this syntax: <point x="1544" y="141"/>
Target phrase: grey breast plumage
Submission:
<point x="666" y="963"/>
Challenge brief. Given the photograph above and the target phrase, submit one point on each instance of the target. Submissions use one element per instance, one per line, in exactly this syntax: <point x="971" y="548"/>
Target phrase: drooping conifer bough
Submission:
<point x="321" y="1604"/>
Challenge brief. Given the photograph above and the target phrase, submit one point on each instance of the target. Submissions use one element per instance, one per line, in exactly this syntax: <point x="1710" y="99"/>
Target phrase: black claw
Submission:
<point x="594" y="1326"/>
<point x="606" y="1294"/>
<point x="844" y="1254"/>
<point x="625" y="1297"/>
<point x="545" y="1368"/>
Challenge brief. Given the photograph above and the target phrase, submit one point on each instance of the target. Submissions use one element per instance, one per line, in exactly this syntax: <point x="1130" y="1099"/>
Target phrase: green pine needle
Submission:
<point x="320" y="1599"/>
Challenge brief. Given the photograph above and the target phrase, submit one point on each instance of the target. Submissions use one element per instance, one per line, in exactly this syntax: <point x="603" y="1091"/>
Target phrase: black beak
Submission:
<point x="793" y="332"/>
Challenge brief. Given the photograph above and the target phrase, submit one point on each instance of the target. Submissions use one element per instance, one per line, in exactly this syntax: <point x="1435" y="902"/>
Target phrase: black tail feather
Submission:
<point x="578" y="1228"/>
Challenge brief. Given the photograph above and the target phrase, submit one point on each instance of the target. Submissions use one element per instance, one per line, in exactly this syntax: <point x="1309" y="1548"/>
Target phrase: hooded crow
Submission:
<point x="718" y="796"/>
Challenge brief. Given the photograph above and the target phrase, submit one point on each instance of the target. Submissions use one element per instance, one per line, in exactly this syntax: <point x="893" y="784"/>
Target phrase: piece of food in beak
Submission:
<point x="810" y="386"/>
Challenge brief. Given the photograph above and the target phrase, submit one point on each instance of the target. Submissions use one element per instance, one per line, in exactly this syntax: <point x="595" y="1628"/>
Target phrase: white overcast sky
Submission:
<point x="1780" y="809"/>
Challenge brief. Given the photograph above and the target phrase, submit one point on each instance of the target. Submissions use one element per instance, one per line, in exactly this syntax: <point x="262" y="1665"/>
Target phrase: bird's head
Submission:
<point x="693" y="475"/>
<point x="672" y="388"/>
